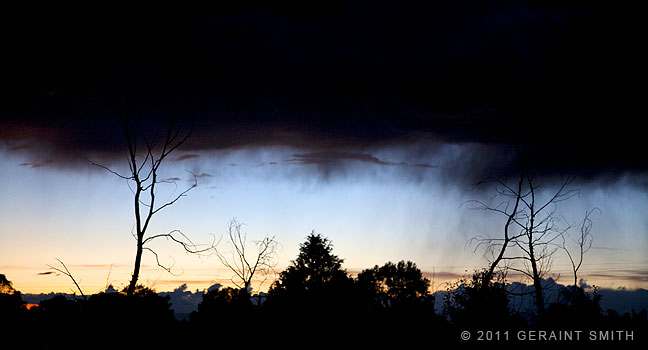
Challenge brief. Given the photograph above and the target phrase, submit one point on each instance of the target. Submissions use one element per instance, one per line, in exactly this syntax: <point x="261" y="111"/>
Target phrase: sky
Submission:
<point x="367" y="122"/>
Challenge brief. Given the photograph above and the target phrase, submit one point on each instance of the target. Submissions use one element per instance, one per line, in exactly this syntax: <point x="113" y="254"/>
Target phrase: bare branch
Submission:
<point x="69" y="274"/>
<point x="187" y="245"/>
<point x="108" y="277"/>
<point x="109" y="170"/>
<point x="157" y="259"/>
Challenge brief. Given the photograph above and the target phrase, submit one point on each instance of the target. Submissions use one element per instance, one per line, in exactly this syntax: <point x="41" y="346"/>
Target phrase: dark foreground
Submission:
<point x="145" y="321"/>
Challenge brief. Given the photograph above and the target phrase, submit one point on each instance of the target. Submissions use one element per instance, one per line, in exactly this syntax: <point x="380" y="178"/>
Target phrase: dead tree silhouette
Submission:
<point x="246" y="266"/>
<point x="531" y="231"/>
<point x="583" y="242"/>
<point x="145" y="156"/>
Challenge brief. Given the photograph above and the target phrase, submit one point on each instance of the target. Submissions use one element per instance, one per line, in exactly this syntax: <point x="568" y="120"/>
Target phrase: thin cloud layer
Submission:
<point x="187" y="156"/>
<point x="329" y="157"/>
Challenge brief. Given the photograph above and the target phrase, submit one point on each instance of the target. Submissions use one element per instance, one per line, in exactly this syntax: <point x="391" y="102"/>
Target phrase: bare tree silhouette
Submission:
<point x="531" y="231"/>
<point x="145" y="156"/>
<point x="244" y="265"/>
<point x="501" y="244"/>
<point x="583" y="241"/>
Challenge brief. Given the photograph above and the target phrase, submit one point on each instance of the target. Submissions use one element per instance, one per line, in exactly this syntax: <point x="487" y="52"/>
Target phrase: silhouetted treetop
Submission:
<point x="10" y="299"/>
<point x="469" y="301"/>
<point x="575" y="307"/>
<point x="6" y="287"/>
<point x="394" y="284"/>
<point x="224" y="297"/>
<point x="314" y="277"/>
<point x="223" y="305"/>
<point x="316" y="260"/>
<point x="141" y="291"/>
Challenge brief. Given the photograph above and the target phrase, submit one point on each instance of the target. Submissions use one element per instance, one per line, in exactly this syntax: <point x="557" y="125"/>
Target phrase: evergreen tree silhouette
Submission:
<point x="314" y="281"/>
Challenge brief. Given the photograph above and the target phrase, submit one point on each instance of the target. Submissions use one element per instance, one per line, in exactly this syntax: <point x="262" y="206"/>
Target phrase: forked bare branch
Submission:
<point x="69" y="274"/>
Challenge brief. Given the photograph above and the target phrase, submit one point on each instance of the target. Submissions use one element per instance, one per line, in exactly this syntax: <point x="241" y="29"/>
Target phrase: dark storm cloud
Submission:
<point x="332" y="157"/>
<point x="553" y="78"/>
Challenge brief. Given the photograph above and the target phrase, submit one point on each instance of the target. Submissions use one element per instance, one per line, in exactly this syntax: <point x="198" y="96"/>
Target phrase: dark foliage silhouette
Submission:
<point x="469" y="303"/>
<point x="223" y="307"/>
<point x="400" y="285"/>
<point x="10" y="303"/>
<point x="10" y="299"/>
<point x="102" y="320"/>
<point x="314" y="281"/>
<point x="6" y="287"/>
<point x="143" y="309"/>
<point x="224" y="298"/>
<point x="396" y="304"/>
<point x="577" y="308"/>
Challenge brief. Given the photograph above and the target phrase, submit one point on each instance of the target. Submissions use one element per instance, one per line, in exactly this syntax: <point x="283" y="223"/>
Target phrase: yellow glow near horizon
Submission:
<point x="95" y="278"/>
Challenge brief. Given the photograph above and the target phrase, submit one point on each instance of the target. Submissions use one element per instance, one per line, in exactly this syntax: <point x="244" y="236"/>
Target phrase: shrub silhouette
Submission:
<point x="577" y="308"/>
<point x="60" y="322"/>
<point x="223" y="307"/>
<point x="144" y="307"/>
<point x="469" y="303"/>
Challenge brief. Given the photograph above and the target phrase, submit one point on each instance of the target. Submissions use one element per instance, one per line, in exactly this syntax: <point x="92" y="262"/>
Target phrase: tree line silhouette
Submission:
<point x="313" y="301"/>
